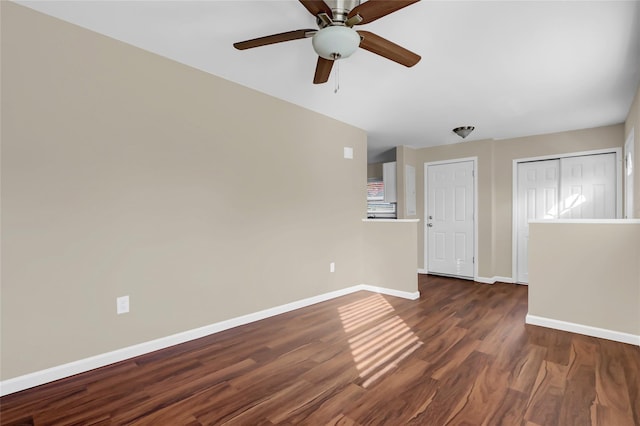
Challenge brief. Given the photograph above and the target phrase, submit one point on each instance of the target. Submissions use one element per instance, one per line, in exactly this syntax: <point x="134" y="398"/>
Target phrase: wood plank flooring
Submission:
<point x="460" y="355"/>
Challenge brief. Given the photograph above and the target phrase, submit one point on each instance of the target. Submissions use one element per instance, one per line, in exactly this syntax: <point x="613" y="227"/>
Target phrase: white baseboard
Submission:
<point x="494" y="280"/>
<point x="587" y="330"/>
<point x="483" y="280"/>
<point x="507" y="280"/>
<point x="41" y="377"/>
<point x="391" y="292"/>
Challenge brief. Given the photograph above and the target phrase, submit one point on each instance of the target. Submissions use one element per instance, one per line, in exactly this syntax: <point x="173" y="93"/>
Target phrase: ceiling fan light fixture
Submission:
<point x="463" y="131"/>
<point x="335" y="42"/>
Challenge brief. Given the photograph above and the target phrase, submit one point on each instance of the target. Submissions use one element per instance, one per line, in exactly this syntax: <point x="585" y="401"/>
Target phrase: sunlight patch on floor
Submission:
<point x="377" y="349"/>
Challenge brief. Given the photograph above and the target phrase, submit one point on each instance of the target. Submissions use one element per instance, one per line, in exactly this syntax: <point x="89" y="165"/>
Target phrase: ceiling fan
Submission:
<point x="336" y="39"/>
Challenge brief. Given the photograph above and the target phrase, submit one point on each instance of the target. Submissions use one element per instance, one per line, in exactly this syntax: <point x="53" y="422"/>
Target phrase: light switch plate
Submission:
<point x="348" y="152"/>
<point x="122" y="305"/>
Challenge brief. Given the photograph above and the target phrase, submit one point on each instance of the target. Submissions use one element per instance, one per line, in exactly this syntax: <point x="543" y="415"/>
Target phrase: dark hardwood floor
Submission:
<point x="461" y="355"/>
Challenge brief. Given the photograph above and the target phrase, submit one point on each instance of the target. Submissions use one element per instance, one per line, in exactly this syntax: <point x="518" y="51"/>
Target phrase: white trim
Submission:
<point x="569" y="154"/>
<point x="453" y="160"/>
<point x="392" y="220"/>
<point x="619" y="173"/>
<point x="590" y="221"/>
<point x="587" y="330"/>
<point x="475" y="210"/>
<point x="508" y="280"/>
<point x="390" y="292"/>
<point x="514" y="194"/>
<point x="483" y="280"/>
<point x="514" y="220"/>
<point x="41" y="377"/>
<point x="629" y="150"/>
<point x="494" y="280"/>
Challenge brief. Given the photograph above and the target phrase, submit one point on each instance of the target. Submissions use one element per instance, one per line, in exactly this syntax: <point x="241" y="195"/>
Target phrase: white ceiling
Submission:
<point x="510" y="68"/>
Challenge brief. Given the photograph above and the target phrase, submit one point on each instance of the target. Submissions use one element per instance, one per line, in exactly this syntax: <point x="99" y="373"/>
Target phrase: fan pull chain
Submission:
<point x="337" y="79"/>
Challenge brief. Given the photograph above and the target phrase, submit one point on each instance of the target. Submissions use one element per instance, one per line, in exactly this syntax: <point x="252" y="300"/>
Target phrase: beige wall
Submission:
<point x="374" y="170"/>
<point x="633" y="122"/>
<point x="586" y="274"/>
<point x="387" y="255"/>
<point x="124" y="173"/>
<point x="495" y="175"/>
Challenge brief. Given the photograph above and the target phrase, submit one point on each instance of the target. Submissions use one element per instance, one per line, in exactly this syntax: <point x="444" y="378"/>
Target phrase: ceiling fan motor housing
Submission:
<point x="335" y="42"/>
<point x="341" y="8"/>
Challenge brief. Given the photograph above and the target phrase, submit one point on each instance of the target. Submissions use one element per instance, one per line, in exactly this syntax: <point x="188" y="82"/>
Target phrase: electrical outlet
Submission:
<point x="122" y="305"/>
<point x="332" y="267"/>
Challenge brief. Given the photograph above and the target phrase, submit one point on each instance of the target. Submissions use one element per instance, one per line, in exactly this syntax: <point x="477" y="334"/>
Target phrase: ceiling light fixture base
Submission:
<point x="463" y="131"/>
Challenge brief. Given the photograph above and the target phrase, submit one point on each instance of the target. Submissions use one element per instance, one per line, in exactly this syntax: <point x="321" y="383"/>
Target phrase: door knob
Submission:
<point x="429" y="225"/>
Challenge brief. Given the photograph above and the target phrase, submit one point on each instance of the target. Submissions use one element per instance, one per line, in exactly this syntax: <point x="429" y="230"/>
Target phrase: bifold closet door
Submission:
<point x="580" y="187"/>
<point x="538" y="184"/>
<point x="588" y="187"/>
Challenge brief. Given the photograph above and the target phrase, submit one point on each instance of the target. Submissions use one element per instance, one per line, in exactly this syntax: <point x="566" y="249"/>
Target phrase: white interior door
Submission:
<point x="538" y="184"/>
<point x="450" y="219"/>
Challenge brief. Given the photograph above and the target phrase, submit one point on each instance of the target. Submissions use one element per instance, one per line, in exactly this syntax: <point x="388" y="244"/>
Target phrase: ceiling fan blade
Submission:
<point x="383" y="47"/>
<point x="315" y="7"/>
<point x="274" y="38"/>
<point x="323" y="69"/>
<point x="374" y="9"/>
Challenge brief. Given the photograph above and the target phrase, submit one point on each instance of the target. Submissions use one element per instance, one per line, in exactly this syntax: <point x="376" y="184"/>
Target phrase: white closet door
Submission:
<point x="588" y="187"/>
<point x="581" y="187"/>
<point x="538" y="184"/>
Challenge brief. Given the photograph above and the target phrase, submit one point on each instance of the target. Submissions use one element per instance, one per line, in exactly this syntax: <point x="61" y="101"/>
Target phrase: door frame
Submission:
<point x="514" y="195"/>
<point x="629" y="148"/>
<point x="475" y="211"/>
